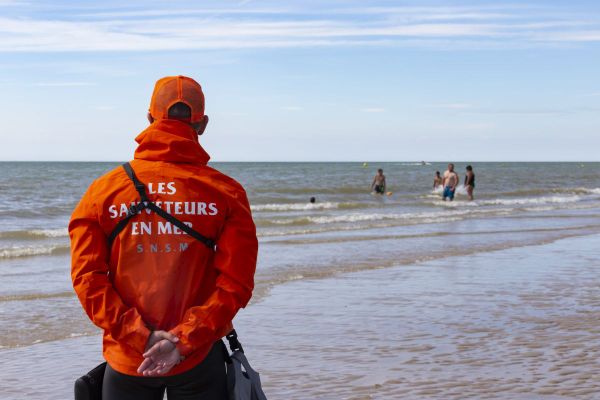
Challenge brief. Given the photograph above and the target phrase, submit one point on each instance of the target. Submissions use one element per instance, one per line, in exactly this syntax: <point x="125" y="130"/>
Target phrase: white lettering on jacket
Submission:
<point x="162" y="188"/>
<point x="172" y="207"/>
<point x="175" y="208"/>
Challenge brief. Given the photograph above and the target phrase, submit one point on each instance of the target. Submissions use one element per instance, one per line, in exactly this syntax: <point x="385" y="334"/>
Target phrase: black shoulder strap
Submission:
<point x="139" y="186"/>
<point x="234" y="343"/>
<point x="146" y="203"/>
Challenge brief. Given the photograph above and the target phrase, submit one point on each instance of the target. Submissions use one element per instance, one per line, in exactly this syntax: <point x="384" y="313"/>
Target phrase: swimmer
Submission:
<point x="313" y="200"/>
<point x="437" y="180"/>
<point x="470" y="181"/>
<point x="378" y="185"/>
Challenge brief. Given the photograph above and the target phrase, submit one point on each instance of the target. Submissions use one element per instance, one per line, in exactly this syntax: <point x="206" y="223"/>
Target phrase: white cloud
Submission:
<point x="571" y="36"/>
<point x="203" y="12"/>
<point x="12" y="3"/>
<point x="63" y="84"/>
<point x="157" y="29"/>
<point x="373" y="110"/>
<point x="525" y="112"/>
<point x="292" y="108"/>
<point x="453" y="106"/>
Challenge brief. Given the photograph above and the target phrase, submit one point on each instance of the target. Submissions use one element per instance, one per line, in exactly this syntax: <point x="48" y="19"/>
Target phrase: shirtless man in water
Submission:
<point x="450" y="182"/>
<point x="378" y="185"/>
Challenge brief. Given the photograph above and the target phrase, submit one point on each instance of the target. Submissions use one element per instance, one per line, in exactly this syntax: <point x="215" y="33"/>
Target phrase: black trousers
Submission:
<point x="206" y="381"/>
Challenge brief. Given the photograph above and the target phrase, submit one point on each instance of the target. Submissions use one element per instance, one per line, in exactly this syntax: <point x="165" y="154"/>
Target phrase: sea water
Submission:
<point x="346" y="230"/>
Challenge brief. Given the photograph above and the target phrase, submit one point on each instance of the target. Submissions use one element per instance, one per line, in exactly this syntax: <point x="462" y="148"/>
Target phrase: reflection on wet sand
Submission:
<point x="514" y="324"/>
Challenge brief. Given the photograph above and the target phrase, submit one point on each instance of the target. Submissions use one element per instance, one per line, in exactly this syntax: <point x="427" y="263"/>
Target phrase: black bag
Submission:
<point x="243" y="382"/>
<point x="89" y="386"/>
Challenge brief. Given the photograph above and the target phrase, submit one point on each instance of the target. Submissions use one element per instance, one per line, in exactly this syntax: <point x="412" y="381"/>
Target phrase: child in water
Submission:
<point x="378" y="185"/>
<point x="437" y="181"/>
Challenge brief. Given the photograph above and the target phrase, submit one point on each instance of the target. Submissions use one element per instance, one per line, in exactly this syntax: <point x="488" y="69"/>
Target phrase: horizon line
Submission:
<point x="320" y="161"/>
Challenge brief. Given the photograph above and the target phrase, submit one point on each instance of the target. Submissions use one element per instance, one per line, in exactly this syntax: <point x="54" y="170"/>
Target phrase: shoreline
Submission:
<point x="269" y="279"/>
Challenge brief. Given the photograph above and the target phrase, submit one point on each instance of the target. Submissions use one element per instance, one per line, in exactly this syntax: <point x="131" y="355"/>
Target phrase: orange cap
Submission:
<point x="174" y="89"/>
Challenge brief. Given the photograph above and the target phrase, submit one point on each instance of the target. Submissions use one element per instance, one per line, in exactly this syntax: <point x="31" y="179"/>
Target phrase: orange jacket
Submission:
<point x="156" y="277"/>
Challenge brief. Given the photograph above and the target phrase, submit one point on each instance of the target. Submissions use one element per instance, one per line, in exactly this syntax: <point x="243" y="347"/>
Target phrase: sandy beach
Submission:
<point x="519" y="323"/>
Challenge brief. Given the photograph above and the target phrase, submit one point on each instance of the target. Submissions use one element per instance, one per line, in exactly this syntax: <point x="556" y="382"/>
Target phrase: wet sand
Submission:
<point x="520" y="323"/>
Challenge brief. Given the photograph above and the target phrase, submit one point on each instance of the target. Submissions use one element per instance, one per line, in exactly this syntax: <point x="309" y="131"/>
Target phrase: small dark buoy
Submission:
<point x="312" y="199"/>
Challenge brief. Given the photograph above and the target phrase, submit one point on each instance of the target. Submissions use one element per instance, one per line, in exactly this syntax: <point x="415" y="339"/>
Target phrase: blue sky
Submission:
<point x="307" y="80"/>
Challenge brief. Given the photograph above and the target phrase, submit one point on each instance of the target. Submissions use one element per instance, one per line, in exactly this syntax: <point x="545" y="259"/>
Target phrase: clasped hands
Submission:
<point x="160" y="355"/>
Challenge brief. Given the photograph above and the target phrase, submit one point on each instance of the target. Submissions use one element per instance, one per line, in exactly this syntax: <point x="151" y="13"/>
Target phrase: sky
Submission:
<point x="307" y="80"/>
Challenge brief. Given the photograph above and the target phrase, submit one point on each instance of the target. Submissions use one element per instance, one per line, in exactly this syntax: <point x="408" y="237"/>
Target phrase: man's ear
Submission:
<point x="150" y="119"/>
<point x="200" y="126"/>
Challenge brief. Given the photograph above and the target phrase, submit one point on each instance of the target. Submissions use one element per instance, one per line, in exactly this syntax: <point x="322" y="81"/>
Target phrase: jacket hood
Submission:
<point x="171" y="141"/>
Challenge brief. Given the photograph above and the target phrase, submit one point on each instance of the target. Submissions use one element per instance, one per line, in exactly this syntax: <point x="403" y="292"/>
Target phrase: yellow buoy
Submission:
<point x="365" y="165"/>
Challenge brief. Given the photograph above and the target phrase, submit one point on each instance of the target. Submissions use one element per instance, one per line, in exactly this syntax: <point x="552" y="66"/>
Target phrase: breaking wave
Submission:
<point x="35" y="234"/>
<point x="30" y="251"/>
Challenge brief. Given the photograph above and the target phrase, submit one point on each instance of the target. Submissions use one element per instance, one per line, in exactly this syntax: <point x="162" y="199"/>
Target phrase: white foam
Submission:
<point x="529" y="201"/>
<point x="351" y="218"/>
<point x="591" y="191"/>
<point x="294" y="206"/>
<point x="14" y="252"/>
<point x="540" y="209"/>
<point x="456" y="204"/>
<point x="462" y="190"/>
<point x="60" y="232"/>
<point x="521" y="201"/>
<point x="439" y="191"/>
<point x="361" y="217"/>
